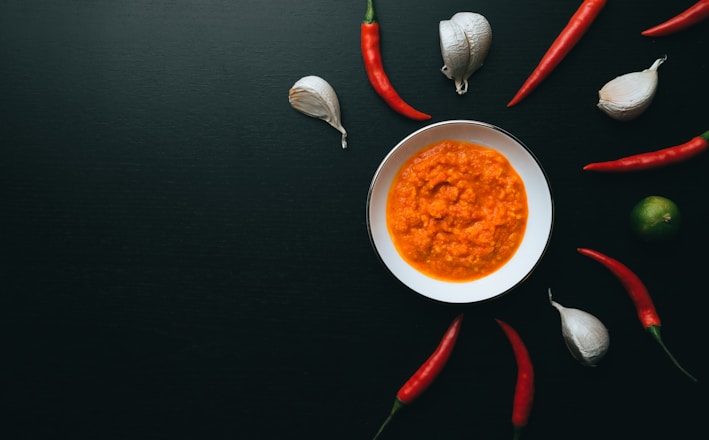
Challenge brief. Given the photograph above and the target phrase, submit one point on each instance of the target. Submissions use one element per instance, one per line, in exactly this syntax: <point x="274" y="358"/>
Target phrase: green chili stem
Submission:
<point x="517" y="432"/>
<point x="705" y="135"/>
<point x="654" y="330"/>
<point x="398" y="404"/>
<point x="370" y="17"/>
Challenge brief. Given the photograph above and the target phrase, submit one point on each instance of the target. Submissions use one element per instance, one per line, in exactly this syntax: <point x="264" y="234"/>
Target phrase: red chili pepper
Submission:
<point x="524" y="389"/>
<point x="427" y="372"/>
<point x="655" y="159"/>
<point x="695" y="14"/>
<point x="567" y="39"/>
<point x="644" y="306"/>
<point x="375" y="68"/>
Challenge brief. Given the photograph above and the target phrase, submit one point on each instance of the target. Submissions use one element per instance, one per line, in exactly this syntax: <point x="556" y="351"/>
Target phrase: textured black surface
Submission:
<point x="183" y="255"/>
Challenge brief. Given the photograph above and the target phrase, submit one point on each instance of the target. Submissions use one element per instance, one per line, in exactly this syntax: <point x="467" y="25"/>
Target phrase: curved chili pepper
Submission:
<point x="427" y="372"/>
<point x="644" y="306"/>
<point x="375" y="68"/>
<point x="524" y="389"/>
<point x="695" y="14"/>
<point x="655" y="159"/>
<point x="567" y="39"/>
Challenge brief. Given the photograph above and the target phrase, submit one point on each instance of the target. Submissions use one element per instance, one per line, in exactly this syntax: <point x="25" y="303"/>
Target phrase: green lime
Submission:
<point x="655" y="219"/>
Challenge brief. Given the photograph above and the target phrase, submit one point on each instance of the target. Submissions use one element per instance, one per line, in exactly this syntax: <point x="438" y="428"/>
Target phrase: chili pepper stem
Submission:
<point x="517" y="432"/>
<point x="654" y="330"/>
<point x="370" y="16"/>
<point x="398" y="404"/>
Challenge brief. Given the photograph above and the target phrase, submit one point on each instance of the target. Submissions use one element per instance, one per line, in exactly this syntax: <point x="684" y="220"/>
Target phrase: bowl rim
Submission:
<point x="436" y="293"/>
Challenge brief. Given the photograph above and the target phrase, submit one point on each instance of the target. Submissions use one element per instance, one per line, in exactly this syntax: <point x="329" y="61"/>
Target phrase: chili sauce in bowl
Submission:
<point x="460" y="211"/>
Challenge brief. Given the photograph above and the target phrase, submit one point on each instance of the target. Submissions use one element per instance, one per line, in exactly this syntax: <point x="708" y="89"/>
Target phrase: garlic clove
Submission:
<point x="585" y="336"/>
<point x="455" y="52"/>
<point x="315" y="97"/>
<point x="627" y="96"/>
<point x="465" y="41"/>
<point x="479" y="35"/>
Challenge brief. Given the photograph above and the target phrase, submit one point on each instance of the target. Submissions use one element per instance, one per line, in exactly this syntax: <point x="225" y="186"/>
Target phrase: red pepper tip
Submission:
<point x="654" y="32"/>
<point x="418" y="117"/>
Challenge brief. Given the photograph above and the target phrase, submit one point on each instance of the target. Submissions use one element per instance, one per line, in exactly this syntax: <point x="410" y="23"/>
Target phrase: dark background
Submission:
<point x="183" y="255"/>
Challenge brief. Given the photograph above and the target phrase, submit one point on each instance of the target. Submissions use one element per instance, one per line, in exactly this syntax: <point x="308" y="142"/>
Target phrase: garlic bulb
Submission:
<point x="585" y="335"/>
<point x="465" y="42"/>
<point x="315" y="97"/>
<point x="627" y="96"/>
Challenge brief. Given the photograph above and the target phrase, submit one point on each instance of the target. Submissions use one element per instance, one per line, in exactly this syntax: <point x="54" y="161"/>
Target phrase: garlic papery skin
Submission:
<point x="465" y="42"/>
<point x="585" y="335"/>
<point x="315" y="97"/>
<point x="627" y="96"/>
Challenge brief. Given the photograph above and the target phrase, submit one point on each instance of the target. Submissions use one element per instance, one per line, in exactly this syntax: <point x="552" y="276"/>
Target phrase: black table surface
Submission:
<point x="183" y="255"/>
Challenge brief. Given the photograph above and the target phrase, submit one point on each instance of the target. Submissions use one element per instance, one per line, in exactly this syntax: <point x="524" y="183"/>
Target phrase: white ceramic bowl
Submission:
<point x="539" y="223"/>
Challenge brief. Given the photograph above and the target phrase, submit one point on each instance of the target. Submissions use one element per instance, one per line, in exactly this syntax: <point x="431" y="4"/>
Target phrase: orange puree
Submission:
<point x="457" y="211"/>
